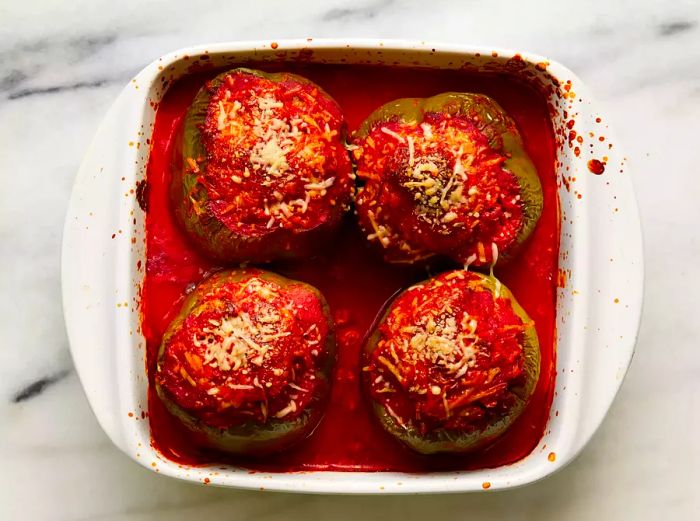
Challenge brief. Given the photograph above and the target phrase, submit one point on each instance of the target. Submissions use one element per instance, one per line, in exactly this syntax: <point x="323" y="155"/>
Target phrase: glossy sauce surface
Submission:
<point x="355" y="281"/>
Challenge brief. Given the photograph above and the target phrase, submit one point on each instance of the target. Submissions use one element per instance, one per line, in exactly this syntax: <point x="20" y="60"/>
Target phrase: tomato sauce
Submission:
<point x="355" y="281"/>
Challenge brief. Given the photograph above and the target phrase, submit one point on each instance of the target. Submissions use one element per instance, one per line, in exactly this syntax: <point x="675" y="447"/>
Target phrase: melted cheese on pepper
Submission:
<point x="238" y="340"/>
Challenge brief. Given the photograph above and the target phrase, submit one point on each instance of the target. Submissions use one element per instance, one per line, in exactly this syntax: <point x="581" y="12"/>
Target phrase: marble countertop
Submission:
<point x="60" y="68"/>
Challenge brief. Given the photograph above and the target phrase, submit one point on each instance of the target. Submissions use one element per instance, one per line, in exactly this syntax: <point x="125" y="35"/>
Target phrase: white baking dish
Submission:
<point x="598" y="308"/>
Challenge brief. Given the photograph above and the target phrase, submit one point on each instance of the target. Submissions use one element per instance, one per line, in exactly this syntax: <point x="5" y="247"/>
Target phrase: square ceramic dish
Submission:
<point x="599" y="297"/>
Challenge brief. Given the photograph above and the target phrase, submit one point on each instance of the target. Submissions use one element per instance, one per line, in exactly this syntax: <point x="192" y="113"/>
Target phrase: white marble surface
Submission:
<point x="60" y="68"/>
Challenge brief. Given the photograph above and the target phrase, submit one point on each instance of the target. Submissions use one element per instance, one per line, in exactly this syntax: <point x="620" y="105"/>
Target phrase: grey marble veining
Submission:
<point x="61" y="66"/>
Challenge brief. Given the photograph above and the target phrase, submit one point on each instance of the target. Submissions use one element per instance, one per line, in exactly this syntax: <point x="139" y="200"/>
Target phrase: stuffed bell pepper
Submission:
<point x="446" y="175"/>
<point x="247" y="362"/>
<point x="262" y="171"/>
<point x="451" y="364"/>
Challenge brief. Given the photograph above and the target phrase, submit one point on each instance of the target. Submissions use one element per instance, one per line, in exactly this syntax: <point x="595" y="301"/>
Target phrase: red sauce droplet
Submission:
<point x="274" y="45"/>
<point x="596" y="167"/>
<point x="561" y="278"/>
<point x="485" y="485"/>
<point x="142" y="194"/>
<point x="552" y="456"/>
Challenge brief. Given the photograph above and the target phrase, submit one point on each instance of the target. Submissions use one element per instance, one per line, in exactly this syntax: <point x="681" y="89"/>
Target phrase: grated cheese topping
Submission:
<point x="239" y="339"/>
<point x="438" y="340"/>
<point x="439" y="336"/>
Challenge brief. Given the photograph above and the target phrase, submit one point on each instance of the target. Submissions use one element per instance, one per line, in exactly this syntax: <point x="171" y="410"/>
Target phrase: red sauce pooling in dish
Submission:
<point x="356" y="282"/>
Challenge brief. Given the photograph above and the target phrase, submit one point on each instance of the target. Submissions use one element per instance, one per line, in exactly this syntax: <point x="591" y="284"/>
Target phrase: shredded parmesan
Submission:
<point x="470" y="260"/>
<point x="380" y="232"/>
<point x="438" y="337"/>
<point x="237" y="340"/>
<point x="393" y="134"/>
<point x="292" y="407"/>
<point x="275" y="144"/>
<point x="323" y="185"/>
<point x="394" y="415"/>
<point x="411" y="151"/>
